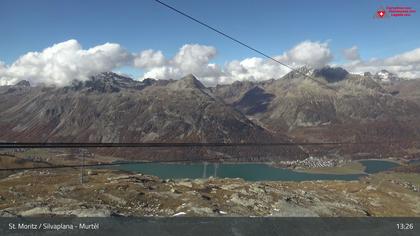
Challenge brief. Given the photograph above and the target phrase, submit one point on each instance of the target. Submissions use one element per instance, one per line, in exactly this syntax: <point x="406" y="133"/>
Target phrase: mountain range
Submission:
<point x="331" y="105"/>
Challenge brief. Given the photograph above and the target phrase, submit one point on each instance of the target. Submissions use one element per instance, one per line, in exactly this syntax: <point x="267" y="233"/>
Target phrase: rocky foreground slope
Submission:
<point x="115" y="193"/>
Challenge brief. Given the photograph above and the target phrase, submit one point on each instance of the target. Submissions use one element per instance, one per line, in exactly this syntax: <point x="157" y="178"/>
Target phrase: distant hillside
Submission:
<point x="337" y="107"/>
<point x="113" y="108"/>
<point x="340" y="107"/>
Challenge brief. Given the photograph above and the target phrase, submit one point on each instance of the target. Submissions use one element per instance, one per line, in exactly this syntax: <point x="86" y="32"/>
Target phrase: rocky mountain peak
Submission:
<point x="299" y="72"/>
<point x="23" y="83"/>
<point x="385" y="76"/>
<point x="188" y="82"/>
<point x="112" y="78"/>
<point x="107" y="82"/>
<point x="364" y="81"/>
<point x="149" y="81"/>
<point x="331" y="74"/>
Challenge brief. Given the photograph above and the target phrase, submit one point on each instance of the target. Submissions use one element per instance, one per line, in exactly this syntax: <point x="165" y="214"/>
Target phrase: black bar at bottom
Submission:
<point x="203" y="226"/>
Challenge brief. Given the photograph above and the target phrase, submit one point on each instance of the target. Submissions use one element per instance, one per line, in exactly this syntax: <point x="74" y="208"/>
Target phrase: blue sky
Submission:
<point x="271" y="26"/>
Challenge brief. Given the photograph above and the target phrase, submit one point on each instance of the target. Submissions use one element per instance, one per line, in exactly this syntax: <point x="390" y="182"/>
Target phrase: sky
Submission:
<point x="53" y="42"/>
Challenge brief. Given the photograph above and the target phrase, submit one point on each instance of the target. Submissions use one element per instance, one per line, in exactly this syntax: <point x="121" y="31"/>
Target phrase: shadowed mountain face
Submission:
<point x="350" y="108"/>
<point x="331" y="74"/>
<point x="113" y="108"/>
<point x="256" y="100"/>
<point x="296" y="101"/>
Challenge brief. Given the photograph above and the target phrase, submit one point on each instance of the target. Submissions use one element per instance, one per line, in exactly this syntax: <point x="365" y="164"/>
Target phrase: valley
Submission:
<point x="380" y="118"/>
<point x="372" y="127"/>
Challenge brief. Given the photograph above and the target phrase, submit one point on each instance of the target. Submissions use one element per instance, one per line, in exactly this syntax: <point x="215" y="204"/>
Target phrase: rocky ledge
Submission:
<point x="115" y="193"/>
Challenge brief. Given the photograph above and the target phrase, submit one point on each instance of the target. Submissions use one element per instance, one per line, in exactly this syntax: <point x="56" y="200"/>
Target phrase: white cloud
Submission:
<point x="163" y="72"/>
<point x="149" y="59"/>
<point x="254" y="68"/>
<point x="312" y="54"/>
<point x="63" y="62"/>
<point x="406" y="64"/>
<point x="2" y="73"/>
<point x="190" y="59"/>
<point x="194" y="58"/>
<point x="408" y="58"/>
<point x="66" y="61"/>
<point x="351" y="54"/>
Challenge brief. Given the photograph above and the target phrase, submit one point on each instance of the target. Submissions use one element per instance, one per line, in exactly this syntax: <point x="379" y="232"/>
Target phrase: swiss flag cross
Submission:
<point x="381" y="13"/>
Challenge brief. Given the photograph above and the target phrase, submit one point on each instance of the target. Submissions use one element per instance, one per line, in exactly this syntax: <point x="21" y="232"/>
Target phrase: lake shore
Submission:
<point x="353" y="167"/>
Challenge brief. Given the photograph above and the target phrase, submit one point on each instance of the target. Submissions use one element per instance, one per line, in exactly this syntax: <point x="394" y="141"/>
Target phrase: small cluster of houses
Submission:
<point x="312" y="162"/>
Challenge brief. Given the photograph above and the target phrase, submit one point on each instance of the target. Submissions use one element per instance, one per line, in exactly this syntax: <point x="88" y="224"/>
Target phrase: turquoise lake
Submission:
<point x="375" y="166"/>
<point x="246" y="171"/>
